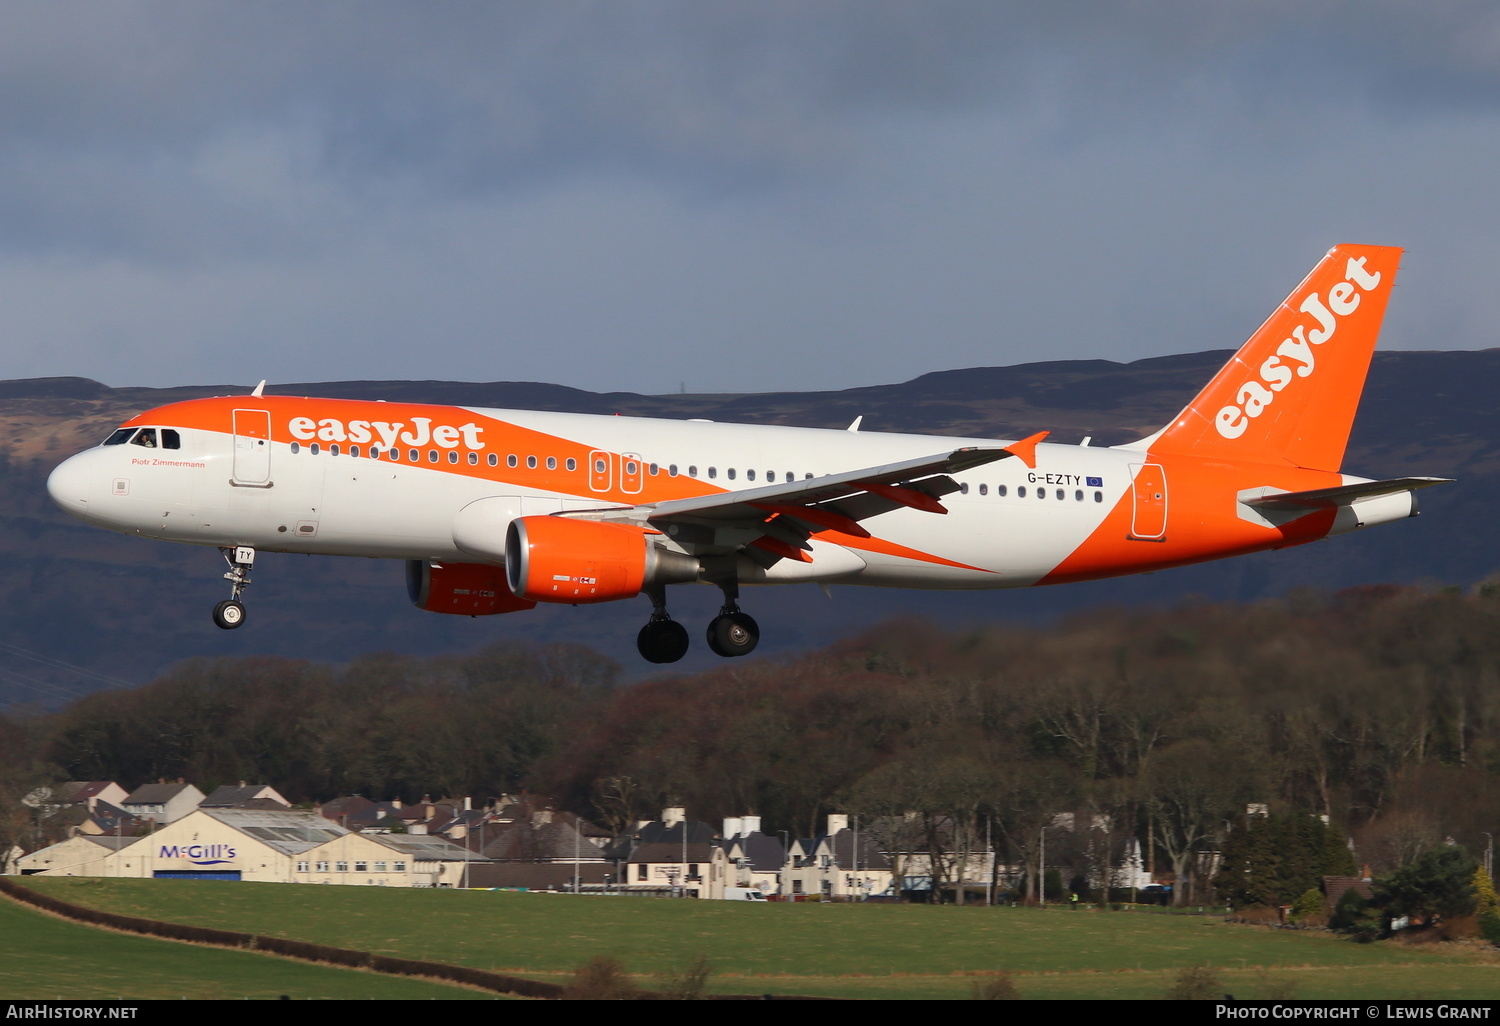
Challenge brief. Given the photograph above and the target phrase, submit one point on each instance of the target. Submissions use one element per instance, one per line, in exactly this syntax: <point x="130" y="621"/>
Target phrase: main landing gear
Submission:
<point x="664" y="640"/>
<point x="230" y="613"/>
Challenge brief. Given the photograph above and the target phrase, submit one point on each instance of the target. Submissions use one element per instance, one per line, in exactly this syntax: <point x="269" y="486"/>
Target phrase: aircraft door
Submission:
<point x="252" y="448"/>
<point x="600" y="477"/>
<point x="631" y="473"/>
<point x="1150" y="486"/>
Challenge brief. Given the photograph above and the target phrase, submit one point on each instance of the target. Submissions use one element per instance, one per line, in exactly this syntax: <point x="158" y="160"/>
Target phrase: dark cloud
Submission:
<point x="911" y="181"/>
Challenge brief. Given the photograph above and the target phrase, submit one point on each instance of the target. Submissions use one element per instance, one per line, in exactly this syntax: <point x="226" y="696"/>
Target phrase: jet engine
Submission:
<point x="557" y="559"/>
<point x="464" y="589"/>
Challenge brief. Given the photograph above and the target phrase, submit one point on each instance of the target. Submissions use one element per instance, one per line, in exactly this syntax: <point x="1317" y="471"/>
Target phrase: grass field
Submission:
<point x="42" y="957"/>
<point x="883" y="951"/>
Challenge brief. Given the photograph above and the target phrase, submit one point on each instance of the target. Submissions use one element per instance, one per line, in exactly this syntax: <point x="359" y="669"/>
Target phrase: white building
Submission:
<point x="273" y="846"/>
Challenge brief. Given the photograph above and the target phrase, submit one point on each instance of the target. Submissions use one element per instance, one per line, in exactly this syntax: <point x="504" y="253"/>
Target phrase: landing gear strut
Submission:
<point x="230" y="613"/>
<point x="663" y="639"/>
<point x="732" y="633"/>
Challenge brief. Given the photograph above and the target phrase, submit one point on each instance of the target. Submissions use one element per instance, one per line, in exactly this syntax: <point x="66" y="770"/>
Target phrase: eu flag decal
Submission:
<point x="1096" y="482"/>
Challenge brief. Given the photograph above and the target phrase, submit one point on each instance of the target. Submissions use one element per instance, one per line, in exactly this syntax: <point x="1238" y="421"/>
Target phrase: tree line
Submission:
<point x="1373" y="711"/>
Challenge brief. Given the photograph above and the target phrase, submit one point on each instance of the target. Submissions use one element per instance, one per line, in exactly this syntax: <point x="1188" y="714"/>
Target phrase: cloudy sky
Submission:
<point x="722" y="196"/>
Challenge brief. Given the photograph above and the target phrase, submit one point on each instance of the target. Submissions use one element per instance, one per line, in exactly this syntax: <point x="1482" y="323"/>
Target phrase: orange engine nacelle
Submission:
<point x="464" y="589"/>
<point x="555" y="559"/>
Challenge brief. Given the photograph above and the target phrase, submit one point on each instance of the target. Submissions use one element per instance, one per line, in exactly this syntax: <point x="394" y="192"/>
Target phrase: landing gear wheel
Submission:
<point x="733" y="634"/>
<point x="229" y="614"/>
<point x="662" y="641"/>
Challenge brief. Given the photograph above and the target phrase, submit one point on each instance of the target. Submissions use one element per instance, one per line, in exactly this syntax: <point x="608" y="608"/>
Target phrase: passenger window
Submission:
<point x="1000" y="491"/>
<point x="354" y="450"/>
<point x="984" y="489"/>
<point x="120" y="436"/>
<point x="432" y="456"/>
<point x="572" y="464"/>
<point x="598" y="466"/>
<point x="510" y="461"/>
<point x="551" y="462"/>
<point x="415" y="455"/>
<point x="1078" y="496"/>
<point x="963" y="489"/>
<point x="671" y="470"/>
<point x="315" y="448"/>
<point x="652" y="469"/>
<point x="494" y="460"/>
<point x="1041" y="493"/>
<point x="1061" y="495"/>
<point x="147" y="438"/>
<point x="1021" y="492"/>
<point x="1098" y="496"/>
<point x="452" y="456"/>
<point x="333" y="450"/>
<point x="713" y="472"/>
<point x="531" y="463"/>
<point x="170" y="439"/>
<point x="749" y="475"/>
<point x="473" y="459"/>
<point x="692" y="471"/>
<point x="730" y="473"/>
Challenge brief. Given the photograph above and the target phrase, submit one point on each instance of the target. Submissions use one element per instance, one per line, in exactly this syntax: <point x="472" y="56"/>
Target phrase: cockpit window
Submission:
<point x="120" y="437"/>
<point x="147" y="437"/>
<point x="170" y="439"/>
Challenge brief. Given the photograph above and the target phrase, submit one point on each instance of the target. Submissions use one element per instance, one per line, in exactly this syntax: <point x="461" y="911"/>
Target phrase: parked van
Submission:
<point x="743" y="894"/>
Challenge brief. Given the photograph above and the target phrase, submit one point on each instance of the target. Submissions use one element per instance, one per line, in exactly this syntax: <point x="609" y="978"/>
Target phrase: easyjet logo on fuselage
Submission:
<point x="388" y="434"/>
<point x="1253" y="397"/>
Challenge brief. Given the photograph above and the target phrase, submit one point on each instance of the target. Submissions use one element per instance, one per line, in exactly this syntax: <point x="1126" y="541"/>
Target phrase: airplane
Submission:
<point x="495" y="511"/>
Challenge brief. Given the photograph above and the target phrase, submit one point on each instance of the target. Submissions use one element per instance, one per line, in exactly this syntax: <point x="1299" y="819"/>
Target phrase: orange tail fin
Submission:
<point x="1289" y="395"/>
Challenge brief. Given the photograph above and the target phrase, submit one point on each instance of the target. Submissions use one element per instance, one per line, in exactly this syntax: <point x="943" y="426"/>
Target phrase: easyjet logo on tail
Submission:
<point x="1253" y="397"/>
<point x="389" y="434"/>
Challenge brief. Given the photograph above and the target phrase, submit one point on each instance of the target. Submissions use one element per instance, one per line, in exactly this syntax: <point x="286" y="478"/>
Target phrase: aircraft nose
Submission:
<point x="69" y="485"/>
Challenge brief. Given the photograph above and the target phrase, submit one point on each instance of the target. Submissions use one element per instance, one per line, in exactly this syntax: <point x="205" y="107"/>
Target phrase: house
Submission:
<point x="162" y="802"/>
<point x="758" y="859"/>
<point x="88" y="793"/>
<point x="245" y="796"/>
<point x="672" y="853"/>
<point x="840" y="863"/>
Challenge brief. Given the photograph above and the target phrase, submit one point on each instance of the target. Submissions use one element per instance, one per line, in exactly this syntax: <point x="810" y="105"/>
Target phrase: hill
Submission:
<point x="125" y="609"/>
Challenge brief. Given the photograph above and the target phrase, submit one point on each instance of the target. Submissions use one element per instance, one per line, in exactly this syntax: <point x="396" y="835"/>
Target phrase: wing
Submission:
<point x="775" y="521"/>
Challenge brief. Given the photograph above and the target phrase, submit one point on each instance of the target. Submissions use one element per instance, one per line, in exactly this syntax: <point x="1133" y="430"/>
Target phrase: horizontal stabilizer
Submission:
<point x="1339" y="495"/>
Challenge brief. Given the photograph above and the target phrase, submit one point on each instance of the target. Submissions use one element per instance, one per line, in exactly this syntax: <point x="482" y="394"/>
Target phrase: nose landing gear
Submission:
<point x="230" y="613"/>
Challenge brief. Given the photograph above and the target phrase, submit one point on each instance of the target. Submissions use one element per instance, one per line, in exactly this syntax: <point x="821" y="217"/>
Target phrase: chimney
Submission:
<point x="837" y="821"/>
<point x="468" y="803"/>
<point x="749" y="825"/>
<point x="732" y="828"/>
<point x="673" y="815"/>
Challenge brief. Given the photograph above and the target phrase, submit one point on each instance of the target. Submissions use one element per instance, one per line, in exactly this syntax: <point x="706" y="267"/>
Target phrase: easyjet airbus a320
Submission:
<point x="497" y="510"/>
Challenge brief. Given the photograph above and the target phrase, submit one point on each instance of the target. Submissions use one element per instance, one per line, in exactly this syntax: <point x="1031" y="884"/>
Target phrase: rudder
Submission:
<point x="1289" y="395"/>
